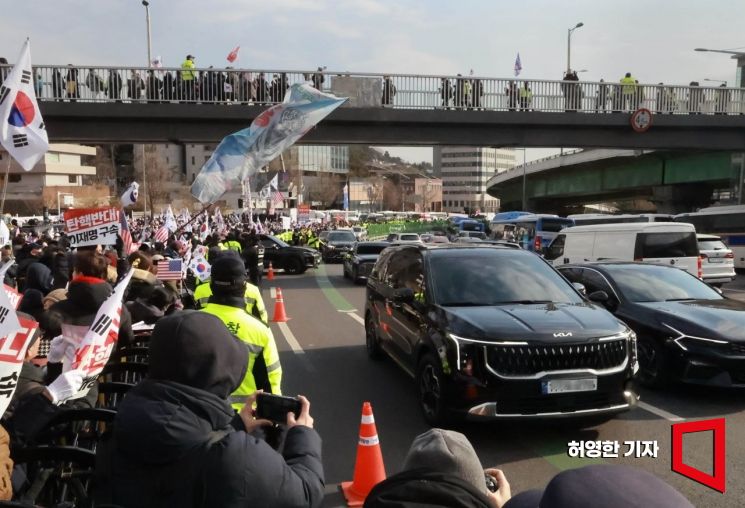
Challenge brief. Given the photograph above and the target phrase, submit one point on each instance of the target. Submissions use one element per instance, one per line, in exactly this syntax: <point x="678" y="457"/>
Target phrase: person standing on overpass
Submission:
<point x="188" y="78"/>
<point x="628" y="91"/>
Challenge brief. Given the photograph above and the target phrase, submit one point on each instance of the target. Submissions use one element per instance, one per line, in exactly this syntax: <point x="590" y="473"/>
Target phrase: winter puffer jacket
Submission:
<point x="418" y="488"/>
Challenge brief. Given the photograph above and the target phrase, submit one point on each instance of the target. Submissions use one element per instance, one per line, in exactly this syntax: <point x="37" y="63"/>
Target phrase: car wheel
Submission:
<point x="372" y="343"/>
<point x="355" y="276"/>
<point x="431" y="383"/>
<point x="294" y="267"/>
<point x="654" y="363"/>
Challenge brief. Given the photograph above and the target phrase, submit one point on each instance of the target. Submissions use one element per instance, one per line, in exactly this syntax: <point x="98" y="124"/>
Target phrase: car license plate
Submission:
<point x="716" y="260"/>
<point x="569" y="385"/>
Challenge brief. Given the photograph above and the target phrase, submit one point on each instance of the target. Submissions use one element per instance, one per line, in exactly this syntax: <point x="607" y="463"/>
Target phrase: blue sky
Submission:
<point x="653" y="39"/>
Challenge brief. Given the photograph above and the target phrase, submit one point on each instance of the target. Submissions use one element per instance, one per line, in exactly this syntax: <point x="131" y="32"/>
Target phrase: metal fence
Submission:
<point x="265" y="87"/>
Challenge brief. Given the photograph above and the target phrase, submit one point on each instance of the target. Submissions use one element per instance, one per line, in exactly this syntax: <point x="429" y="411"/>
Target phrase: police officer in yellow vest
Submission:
<point x="227" y="303"/>
<point x="628" y="91"/>
<point x="188" y="78"/>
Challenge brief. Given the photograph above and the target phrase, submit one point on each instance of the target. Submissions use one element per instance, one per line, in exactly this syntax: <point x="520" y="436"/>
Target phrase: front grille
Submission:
<point x="364" y="268"/>
<point x="532" y="359"/>
<point x="738" y="349"/>
<point x="559" y="403"/>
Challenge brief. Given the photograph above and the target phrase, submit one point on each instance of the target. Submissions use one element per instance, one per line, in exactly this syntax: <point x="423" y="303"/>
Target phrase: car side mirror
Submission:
<point x="599" y="297"/>
<point x="581" y="288"/>
<point x="403" y="295"/>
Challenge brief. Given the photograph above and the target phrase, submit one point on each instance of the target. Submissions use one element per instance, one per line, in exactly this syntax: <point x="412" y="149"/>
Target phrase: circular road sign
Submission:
<point x="641" y="120"/>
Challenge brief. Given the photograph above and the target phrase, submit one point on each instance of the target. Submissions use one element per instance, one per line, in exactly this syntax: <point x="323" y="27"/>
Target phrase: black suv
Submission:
<point x="496" y="332"/>
<point x="291" y="259"/>
<point x="337" y="245"/>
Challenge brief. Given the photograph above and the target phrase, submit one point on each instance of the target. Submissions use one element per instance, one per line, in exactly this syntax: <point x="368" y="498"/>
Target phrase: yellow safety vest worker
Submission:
<point x="526" y="93"/>
<point x="259" y="342"/>
<point x="233" y="245"/>
<point x="628" y="85"/>
<point x="254" y="302"/>
<point x="186" y="73"/>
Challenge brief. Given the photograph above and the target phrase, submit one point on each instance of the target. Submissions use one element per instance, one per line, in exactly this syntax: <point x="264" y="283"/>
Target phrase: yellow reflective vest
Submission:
<point x="628" y="85"/>
<point x="232" y="245"/>
<point x="187" y="74"/>
<point x="259" y="341"/>
<point x="254" y="302"/>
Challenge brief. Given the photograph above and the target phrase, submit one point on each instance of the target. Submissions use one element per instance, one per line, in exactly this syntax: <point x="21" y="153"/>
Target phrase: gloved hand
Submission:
<point x="59" y="349"/>
<point x="65" y="386"/>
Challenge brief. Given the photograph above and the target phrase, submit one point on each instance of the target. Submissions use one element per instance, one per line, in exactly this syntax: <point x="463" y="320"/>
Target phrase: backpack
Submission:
<point x="423" y="487"/>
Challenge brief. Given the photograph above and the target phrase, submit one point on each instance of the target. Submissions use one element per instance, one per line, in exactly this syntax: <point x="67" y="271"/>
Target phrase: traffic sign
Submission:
<point x="641" y="120"/>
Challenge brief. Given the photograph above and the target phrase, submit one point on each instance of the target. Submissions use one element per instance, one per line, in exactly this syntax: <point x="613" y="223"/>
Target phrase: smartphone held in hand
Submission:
<point x="275" y="407"/>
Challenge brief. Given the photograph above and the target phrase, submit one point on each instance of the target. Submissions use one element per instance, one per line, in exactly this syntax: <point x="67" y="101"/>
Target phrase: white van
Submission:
<point x="669" y="243"/>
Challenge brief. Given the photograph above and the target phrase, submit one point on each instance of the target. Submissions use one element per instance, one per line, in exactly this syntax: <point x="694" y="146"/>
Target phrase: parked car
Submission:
<point x="717" y="260"/>
<point x="686" y="330"/>
<point x="360" y="233"/>
<point x="666" y="243"/>
<point x="359" y="262"/>
<point x="433" y="238"/>
<point x="403" y="238"/>
<point x="293" y="260"/>
<point x="337" y="244"/>
<point x="496" y="332"/>
<point x="472" y="234"/>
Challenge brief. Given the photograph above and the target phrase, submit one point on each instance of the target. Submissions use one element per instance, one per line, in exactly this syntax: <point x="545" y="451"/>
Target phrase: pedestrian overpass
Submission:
<point x="141" y="105"/>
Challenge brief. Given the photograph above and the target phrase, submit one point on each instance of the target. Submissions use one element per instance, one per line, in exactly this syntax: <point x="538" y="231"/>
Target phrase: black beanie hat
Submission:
<point x="196" y="349"/>
<point x="228" y="271"/>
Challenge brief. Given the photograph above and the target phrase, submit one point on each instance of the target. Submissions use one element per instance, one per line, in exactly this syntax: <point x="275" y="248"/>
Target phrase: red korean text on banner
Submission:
<point x="12" y="353"/>
<point x="13" y="295"/>
<point x="92" y="226"/>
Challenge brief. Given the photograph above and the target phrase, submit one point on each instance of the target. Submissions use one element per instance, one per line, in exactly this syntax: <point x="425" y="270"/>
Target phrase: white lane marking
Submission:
<point x="356" y="317"/>
<point x="273" y="292"/>
<point x="659" y="412"/>
<point x="290" y="338"/>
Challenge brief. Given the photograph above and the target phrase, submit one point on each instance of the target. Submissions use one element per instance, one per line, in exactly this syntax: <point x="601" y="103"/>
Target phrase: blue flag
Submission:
<point x="241" y="154"/>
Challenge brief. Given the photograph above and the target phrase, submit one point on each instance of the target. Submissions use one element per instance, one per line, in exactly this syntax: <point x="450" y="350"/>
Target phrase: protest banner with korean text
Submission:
<point x="92" y="226"/>
<point x="12" y="352"/>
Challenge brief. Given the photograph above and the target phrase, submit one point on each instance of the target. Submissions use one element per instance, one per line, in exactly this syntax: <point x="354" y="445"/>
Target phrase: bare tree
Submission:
<point x="160" y="189"/>
<point x="325" y="188"/>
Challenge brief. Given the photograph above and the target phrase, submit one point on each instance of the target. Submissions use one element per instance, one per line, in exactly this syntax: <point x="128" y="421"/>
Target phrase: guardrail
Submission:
<point x="264" y="87"/>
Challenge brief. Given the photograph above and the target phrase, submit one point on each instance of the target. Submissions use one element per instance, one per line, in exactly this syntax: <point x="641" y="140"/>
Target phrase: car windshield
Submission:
<point x="278" y="241"/>
<point x="495" y="277"/>
<point x="370" y="249"/>
<point x="341" y="236"/>
<point x="408" y="238"/>
<point x="650" y="283"/>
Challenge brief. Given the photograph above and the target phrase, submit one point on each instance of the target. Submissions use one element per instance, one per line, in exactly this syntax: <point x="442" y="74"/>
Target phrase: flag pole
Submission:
<point x="203" y="210"/>
<point x="5" y="184"/>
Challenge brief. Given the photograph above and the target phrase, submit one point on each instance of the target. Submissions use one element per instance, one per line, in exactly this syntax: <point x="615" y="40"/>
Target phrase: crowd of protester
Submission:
<point x="182" y="429"/>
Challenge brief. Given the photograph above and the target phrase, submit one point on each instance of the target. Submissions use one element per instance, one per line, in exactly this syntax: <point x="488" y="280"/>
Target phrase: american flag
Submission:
<point x="169" y="269"/>
<point x="277" y="198"/>
<point x="125" y="234"/>
<point x="162" y="234"/>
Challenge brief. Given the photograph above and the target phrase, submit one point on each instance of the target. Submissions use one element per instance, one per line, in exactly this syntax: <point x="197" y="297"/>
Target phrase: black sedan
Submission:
<point x="291" y="259"/>
<point x="686" y="330"/>
<point x="359" y="262"/>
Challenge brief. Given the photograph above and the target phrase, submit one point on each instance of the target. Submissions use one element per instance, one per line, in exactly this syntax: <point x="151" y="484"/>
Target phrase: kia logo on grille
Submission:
<point x="563" y="334"/>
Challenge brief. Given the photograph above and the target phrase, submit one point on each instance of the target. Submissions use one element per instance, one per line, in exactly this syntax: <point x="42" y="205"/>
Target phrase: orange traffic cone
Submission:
<point x="270" y="275"/>
<point x="369" y="469"/>
<point x="279" y="309"/>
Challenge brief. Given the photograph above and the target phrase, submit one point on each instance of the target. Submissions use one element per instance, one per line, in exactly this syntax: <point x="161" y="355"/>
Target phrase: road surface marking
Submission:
<point x="659" y="412"/>
<point x="330" y="292"/>
<point x="353" y="314"/>
<point x="290" y="338"/>
<point x="273" y="292"/>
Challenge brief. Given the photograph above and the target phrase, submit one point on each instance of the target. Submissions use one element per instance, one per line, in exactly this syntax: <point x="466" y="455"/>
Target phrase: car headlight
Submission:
<point x="330" y="247"/>
<point x="681" y="338"/>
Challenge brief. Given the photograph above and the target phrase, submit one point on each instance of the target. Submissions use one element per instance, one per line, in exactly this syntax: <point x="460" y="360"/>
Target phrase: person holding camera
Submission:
<point x="178" y="443"/>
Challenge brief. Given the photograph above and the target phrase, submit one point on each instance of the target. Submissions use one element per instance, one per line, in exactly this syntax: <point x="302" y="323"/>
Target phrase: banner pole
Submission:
<point x="204" y="210"/>
<point x="5" y="184"/>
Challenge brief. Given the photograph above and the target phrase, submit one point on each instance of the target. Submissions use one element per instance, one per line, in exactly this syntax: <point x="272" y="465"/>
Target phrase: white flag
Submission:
<point x="95" y="344"/>
<point x="9" y="323"/>
<point x="130" y="195"/>
<point x="22" y="131"/>
<point x="170" y="220"/>
<point x="4" y="233"/>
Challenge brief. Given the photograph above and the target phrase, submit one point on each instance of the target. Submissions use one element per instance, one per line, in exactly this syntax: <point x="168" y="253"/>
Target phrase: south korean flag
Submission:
<point x="22" y="131"/>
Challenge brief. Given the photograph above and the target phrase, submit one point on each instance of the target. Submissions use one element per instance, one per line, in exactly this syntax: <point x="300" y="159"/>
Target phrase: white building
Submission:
<point x="465" y="171"/>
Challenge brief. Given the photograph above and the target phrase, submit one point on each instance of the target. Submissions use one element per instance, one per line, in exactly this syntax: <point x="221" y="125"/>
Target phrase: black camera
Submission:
<point x="275" y="407"/>
<point x="491" y="483"/>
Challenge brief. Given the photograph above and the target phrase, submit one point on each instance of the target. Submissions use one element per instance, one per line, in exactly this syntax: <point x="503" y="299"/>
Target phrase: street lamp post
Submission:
<point x="147" y="21"/>
<point x="737" y="55"/>
<point x="569" y="45"/>
<point x="720" y="81"/>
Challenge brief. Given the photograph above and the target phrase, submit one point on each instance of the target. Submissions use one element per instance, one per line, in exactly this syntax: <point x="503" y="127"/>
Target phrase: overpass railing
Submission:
<point x="264" y="87"/>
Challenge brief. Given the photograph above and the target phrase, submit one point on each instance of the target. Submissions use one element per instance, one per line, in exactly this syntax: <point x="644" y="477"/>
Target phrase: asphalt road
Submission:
<point x="323" y="357"/>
